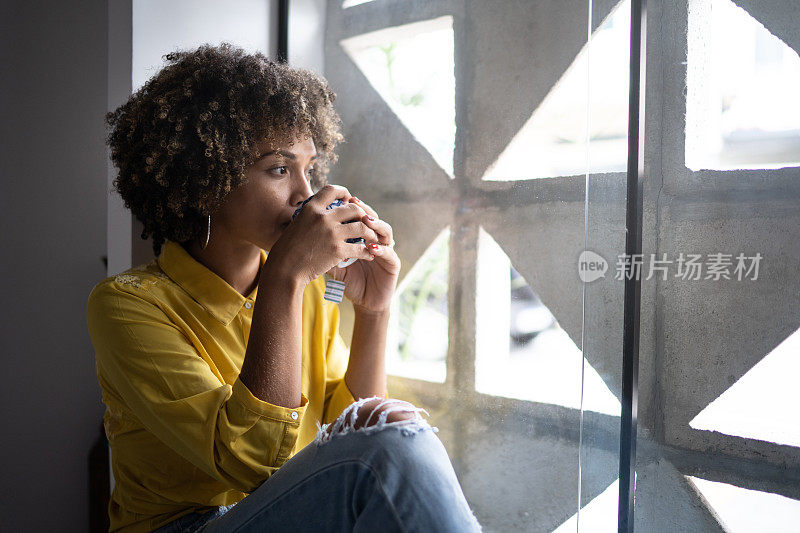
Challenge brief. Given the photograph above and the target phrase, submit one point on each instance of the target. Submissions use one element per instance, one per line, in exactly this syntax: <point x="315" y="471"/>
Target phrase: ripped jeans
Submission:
<point x="390" y="476"/>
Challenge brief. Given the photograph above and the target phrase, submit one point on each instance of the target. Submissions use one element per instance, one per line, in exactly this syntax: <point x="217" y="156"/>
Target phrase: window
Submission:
<point x="743" y="83"/>
<point x="486" y="326"/>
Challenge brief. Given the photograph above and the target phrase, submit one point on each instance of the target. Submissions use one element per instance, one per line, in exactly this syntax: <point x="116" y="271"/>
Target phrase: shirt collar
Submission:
<point x="221" y="300"/>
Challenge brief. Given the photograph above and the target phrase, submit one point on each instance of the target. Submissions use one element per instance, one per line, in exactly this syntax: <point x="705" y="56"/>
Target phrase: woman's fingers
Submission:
<point x="359" y="229"/>
<point x="361" y="221"/>
<point x="372" y="220"/>
<point x="329" y="194"/>
<point x="347" y="213"/>
<point x="381" y="228"/>
<point x="359" y="224"/>
<point x="386" y="256"/>
<point x="371" y="212"/>
<point x="358" y="250"/>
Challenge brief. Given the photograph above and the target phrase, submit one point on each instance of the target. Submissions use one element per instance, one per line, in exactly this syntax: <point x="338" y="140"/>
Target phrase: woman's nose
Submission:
<point x="301" y="192"/>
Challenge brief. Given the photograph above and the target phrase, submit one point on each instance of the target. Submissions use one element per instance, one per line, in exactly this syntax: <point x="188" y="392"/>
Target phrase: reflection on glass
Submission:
<point x="743" y="82"/>
<point x="522" y="352"/>
<point x="412" y="68"/>
<point x="417" y="337"/>
<point x="553" y="141"/>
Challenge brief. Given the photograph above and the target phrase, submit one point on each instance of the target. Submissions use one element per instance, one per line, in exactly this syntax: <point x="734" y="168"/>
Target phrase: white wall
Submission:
<point x="159" y="27"/>
<point x="307" y="34"/>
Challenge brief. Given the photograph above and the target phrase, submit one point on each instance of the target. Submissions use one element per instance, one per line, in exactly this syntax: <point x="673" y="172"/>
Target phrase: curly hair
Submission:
<point x="183" y="140"/>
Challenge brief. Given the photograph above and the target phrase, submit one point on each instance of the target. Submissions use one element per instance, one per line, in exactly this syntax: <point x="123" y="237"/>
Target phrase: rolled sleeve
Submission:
<point x="289" y="417"/>
<point x="156" y="374"/>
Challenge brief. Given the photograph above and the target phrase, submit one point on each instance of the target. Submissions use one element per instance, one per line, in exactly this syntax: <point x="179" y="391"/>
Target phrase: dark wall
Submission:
<point x="53" y="93"/>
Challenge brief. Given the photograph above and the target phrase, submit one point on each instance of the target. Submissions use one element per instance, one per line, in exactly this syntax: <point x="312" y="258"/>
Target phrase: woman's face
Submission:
<point x="277" y="183"/>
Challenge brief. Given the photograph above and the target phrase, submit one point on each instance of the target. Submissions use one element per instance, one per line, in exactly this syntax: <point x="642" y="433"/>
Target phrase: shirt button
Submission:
<point x="248" y="305"/>
<point x="294" y="415"/>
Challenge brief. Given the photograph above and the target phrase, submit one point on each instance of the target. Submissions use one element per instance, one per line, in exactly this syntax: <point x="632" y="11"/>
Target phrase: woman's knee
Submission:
<point x="369" y="414"/>
<point x="374" y="414"/>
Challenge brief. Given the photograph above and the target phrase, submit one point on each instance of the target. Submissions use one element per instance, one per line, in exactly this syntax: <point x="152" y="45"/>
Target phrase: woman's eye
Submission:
<point x="311" y="172"/>
<point x="278" y="170"/>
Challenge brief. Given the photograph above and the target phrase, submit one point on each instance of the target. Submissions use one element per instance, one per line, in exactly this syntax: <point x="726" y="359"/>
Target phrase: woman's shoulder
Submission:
<point x="140" y="282"/>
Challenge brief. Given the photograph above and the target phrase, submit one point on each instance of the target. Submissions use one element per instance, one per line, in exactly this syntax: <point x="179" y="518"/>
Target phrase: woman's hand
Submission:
<point x="371" y="284"/>
<point x="316" y="240"/>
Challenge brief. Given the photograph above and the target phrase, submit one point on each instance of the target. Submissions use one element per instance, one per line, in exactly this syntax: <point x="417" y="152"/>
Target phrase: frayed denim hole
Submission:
<point x="408" y="426"/>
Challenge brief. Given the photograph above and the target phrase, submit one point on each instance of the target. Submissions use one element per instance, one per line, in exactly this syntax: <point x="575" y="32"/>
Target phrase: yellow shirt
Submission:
<point x="185" y="434"/>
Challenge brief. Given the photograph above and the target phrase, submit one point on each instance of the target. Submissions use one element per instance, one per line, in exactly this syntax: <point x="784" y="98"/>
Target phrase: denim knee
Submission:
<point x="346" y="421"/>
<point x="409" y="462"/>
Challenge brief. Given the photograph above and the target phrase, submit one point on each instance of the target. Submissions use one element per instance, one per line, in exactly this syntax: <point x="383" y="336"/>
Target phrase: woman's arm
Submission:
<point x="147" y="366"/>
<point x="366" y="370"/>
<point x="272" y="366"/>
<point x="273" y="360"/>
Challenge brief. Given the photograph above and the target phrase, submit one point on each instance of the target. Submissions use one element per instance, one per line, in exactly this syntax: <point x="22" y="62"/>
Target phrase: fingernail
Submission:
<point x="370" y="218"/>
<point x="356" y="199"/>
<point x="373" y="246"/>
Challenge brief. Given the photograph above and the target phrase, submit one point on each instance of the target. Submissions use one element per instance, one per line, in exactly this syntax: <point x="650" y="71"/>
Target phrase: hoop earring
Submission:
<point x="208" y="234"/>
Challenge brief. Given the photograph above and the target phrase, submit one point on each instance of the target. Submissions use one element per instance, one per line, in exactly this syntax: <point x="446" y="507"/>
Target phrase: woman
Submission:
<point x="231" y="401"/>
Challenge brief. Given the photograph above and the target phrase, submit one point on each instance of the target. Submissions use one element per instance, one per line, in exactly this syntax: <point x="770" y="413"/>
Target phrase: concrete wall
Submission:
<point x="700" y="337"/>
<point x="517" y="460"/>
<point x="53" y="220"/>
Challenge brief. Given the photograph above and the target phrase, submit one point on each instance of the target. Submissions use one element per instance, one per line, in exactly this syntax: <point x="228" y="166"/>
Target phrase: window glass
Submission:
<point x="743" y="83"/>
